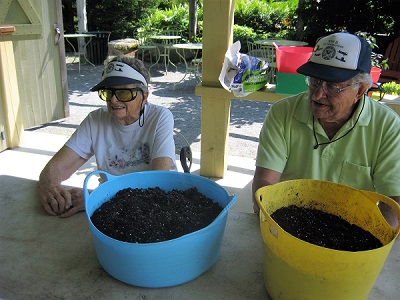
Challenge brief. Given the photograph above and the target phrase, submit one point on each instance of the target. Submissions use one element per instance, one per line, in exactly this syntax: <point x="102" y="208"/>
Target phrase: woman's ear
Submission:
<point x="145" y="96"/>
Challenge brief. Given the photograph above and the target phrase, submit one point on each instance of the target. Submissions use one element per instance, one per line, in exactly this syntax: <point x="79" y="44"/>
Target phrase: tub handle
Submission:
<point x="376" y="198"/>
<point x="261" y="206"/>
<point x="274" y="227"/>
<point x="108" y="176"/>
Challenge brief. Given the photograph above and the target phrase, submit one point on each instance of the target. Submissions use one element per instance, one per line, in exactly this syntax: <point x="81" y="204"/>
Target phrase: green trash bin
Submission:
<point x="97" y="49"/>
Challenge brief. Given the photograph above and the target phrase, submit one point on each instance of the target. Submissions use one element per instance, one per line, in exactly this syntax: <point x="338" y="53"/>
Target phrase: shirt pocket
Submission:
<point x="356" y="176"/>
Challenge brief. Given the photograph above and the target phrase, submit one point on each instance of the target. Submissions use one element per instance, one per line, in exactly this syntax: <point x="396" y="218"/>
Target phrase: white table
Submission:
<point x="270" y="42"/>
<point x="165" y="43"/>
<point x="42" y="256"/>
<point x="194" y="63"/>
<point x="79" y="36"/>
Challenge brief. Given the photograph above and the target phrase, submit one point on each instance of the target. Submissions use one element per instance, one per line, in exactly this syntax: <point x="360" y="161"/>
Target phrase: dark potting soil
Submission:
<point x="324" y="229"/>
<point x="154" y="215"/>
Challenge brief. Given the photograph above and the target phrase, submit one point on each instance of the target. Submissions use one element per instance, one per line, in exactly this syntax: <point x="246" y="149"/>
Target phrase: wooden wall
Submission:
<point x="39" y="62"/>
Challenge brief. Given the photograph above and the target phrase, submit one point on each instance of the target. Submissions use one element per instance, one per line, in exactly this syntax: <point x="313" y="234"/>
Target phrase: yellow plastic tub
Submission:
<point x="295" y="269"/>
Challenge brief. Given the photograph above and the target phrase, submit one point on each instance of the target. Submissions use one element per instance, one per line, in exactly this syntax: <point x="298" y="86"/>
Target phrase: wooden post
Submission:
<point x="10" y="95"/>
<point x="215" y="113"/>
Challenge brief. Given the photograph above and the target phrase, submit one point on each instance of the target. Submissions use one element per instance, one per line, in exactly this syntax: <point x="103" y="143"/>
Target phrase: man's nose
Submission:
<point x="319" y="92"/>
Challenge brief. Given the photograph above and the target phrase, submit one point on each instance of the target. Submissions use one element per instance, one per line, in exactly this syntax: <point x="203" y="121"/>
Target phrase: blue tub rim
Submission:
<point x="232" y="199"/>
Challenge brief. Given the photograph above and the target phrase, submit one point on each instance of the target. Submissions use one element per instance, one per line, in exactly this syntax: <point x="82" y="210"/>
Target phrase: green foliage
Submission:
<point x="304" y="20"/>
<point x="266" y="18"/>
<point x="322" y="17"/>
<point x="254" y="19"/>
<point x="244" y="34"/>
<point x="174" y="18"/>
<point x="376" y="58"/>
<point x="120" y="17"/>
<point x="391" y="88"/>
<point x="170" y="3"/>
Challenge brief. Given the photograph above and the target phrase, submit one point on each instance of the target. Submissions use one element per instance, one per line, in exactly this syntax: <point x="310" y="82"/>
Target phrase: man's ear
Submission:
<point x="363" y="88"/>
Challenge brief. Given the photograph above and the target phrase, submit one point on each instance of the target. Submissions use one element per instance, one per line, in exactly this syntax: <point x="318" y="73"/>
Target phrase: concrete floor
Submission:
<point x="44" y="257"/>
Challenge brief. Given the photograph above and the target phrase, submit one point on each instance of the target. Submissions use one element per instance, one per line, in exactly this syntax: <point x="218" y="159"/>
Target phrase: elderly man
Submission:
<point x="334" y="131"/>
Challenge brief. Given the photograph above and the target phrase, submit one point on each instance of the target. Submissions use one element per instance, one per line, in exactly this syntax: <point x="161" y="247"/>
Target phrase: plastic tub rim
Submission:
<point x="221" y="215"/>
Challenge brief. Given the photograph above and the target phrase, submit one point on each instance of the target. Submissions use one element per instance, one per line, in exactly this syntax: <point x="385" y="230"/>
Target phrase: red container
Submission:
<point x="375" y="74"/>
<point x="289" y="58"/>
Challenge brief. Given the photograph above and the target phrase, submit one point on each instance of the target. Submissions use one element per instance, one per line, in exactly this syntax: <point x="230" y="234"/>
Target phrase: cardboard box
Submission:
<point x="290" y="84"/>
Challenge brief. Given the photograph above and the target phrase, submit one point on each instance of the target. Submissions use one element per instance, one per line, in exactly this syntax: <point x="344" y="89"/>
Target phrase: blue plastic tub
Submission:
<point x="165" y="263"/>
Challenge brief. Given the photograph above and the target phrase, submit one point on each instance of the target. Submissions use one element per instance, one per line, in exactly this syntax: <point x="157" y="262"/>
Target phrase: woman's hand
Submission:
<point x="56" y="199"/>
<point x="60" y="201"/>
<point x="78" y="203"/>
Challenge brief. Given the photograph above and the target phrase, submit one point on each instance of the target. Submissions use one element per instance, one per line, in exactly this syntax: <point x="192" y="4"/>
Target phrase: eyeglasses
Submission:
<point x="123" y="95"/>
<point x="329" y="88"/>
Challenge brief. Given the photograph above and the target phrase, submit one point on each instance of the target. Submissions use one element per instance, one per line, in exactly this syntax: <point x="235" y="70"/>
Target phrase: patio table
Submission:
<point x="194" y="63"/>
<point x="269" y="42"/>
<point x="49" y="257"/>
<point x="79" y="36"/>
<point x="165" y="44"/>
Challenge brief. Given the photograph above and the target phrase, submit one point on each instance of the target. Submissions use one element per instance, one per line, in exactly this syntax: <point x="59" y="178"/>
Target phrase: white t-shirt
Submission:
<point x="124" y="149"/>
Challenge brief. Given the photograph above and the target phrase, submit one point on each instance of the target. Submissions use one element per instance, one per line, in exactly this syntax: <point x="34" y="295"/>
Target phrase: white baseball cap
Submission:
<point x="119" y="73"/>
<point x="338" y="57"/>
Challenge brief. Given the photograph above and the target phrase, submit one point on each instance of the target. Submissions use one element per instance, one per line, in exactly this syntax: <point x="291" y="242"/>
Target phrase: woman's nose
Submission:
<point x="114" y="98"/>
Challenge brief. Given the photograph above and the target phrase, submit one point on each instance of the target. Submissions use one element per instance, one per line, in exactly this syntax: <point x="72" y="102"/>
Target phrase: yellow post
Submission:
<point x="215" y="115"/>
<point x="215" y="109"/>
<point x="10" y="95"/>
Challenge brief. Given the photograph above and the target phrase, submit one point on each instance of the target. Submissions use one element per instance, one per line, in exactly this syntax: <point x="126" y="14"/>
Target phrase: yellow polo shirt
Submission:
<point x="367" y="158"/>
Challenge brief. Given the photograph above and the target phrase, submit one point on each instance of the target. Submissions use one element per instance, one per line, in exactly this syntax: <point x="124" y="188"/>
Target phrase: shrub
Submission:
<point x="391" y="88"/>
<point x="266" y="18"/>
<point x="120" y="17"/>
<point x="324" y="17"/>
<point x="254" y="19"/>
<point x="244" y="34"/>
<point x="174" y="18"/>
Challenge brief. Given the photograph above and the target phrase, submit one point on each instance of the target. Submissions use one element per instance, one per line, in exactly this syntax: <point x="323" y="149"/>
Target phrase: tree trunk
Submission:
<point x="192" y="19"/>
<point x="300" y="22"/>
<point x="82" y="22"/>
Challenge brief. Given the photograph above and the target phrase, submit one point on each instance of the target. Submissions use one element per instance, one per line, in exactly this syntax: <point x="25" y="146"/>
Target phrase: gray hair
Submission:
<point x="362" y="77"/>
<point x="135" y="63"/>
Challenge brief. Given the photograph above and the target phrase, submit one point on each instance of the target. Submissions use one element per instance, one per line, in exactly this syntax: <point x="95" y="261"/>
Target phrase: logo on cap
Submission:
<point x="110" y="68"/>
<point x="328" y="53"/>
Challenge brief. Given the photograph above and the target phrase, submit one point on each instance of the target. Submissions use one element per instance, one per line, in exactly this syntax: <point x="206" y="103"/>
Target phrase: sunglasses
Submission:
<point x="123" y="95"/>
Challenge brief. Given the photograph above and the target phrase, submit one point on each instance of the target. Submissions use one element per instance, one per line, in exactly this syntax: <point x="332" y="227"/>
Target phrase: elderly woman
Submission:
<point x="334" y="131"/>
<point x="129" y="135"/>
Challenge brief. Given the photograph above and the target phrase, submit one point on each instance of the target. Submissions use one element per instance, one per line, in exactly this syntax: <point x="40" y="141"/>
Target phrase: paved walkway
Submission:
<point x="246" y="116"/>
